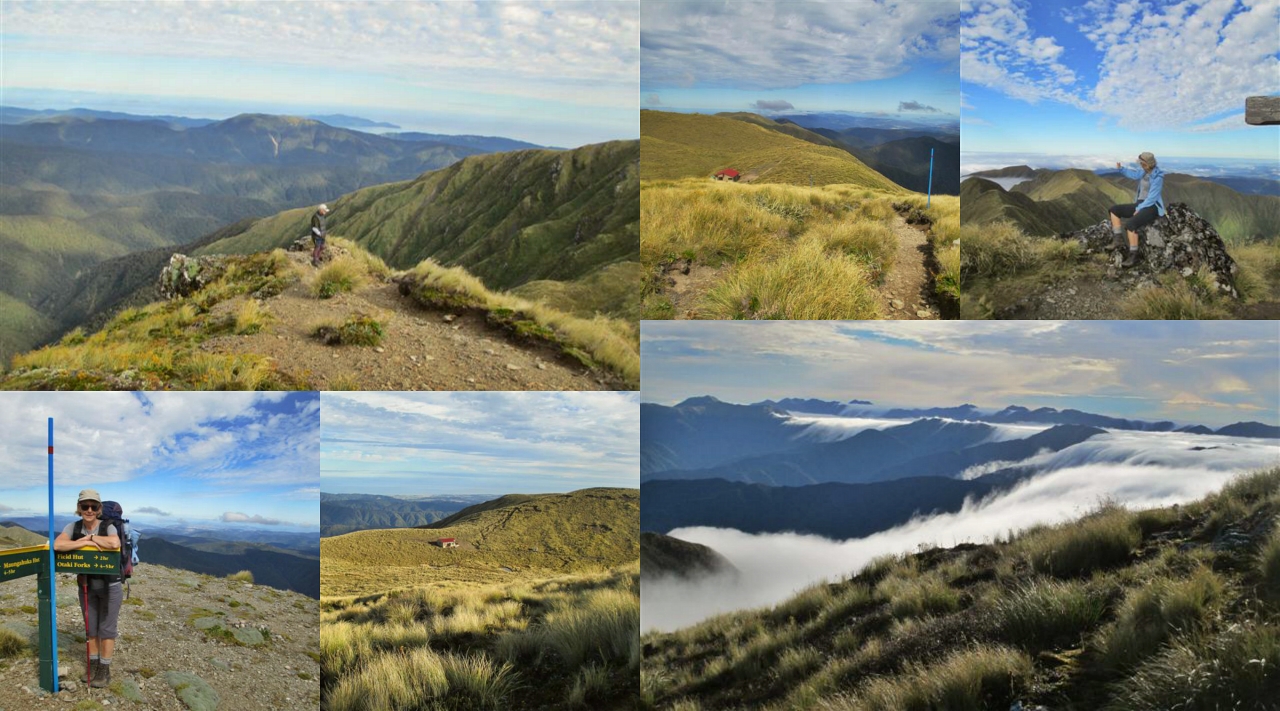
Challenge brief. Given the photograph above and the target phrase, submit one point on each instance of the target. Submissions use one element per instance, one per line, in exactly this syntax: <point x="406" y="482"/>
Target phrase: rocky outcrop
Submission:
<point x="1180" y="242"/>
<point x="185" y="275"/>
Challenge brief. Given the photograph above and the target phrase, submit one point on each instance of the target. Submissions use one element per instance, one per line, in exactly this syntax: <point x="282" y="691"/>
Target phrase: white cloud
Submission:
<point x="1140" y="470"/>
<point x="760" y="45"/>
<point x="108" y="437"/>
<point x="1161" y="66"/>
<point x="237" y="517"/>
<point x="580" y="50"/>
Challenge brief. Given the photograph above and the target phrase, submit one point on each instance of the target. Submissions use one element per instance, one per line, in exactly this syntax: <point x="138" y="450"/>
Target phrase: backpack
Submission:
<point x="113" y="515"/>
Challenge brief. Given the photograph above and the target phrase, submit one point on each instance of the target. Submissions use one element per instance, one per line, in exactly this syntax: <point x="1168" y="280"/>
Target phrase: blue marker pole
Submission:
<point x="53" y="587"/>
<point x="929" y="198"/>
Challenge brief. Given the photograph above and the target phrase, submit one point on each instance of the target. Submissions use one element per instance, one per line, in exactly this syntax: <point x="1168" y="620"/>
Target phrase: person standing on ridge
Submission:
<point x="100" y="595"/>
<point x="1148" y="205"/>
<point x="318" y="234"/>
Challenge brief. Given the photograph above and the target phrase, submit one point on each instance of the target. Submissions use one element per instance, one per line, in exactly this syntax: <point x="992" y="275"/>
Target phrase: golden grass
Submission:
<point x="806" y="283"/>
<point x="1259" y="275"/>
<point x="1101" y="540"/>
<point x="575" y="637"/>
<point x="609" y="342"/>
<point x="243" y="576"/>
<point x="250" y="317"/>
<point x="1174" y="299"/>
<point x="966" y="680"/>
<point x="341" y="275"/>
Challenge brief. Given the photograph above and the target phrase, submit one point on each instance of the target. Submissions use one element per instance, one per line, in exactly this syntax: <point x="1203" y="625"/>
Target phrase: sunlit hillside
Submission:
<point x="715" y="250"/>
<point x="676" y="146"/>
<point x="1174" y="608"/>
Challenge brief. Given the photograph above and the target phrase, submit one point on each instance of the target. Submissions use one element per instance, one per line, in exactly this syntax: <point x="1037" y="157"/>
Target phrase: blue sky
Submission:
<point x="1210" y="372"/>
<point x="895" y="58"/>
<point x="1107" y="79"/>
<point x="552" y="73"/>
<point x="478" y="443"/>
<point x="198" y="459"/>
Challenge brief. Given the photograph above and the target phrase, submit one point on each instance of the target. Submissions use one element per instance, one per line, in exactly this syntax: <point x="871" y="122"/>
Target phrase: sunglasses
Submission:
<point x="90" y="507"/>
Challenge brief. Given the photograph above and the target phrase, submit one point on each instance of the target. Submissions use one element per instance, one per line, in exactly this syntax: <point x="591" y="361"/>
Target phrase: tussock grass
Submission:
<point x="1269" y="566"/>
<point x="1259" y="275"/>
<point x="592" y="684"/>
<point x="356" y="330"/>
<point x="1101" y="540"/>
<point x="571" y="640"/>
<point x="968" y="680"/>
<point x="1043" y="612"/>
<point x="250" y="317"/>
<point x="872" y="243"/>
<point x="341" y="275"/>
<point x="918" y="596"/>
<point x="778" y="248"/>
<point x="243" y="576"/>
<point x="805" y="284"/>
<point x="1151" y="614"/>
<point x="608" y="342"/>
<point x="1236" y="669"/>
<point x="1174" y="299"/>
<point x="1000" y="250"/>
<point x="12" y="644"/>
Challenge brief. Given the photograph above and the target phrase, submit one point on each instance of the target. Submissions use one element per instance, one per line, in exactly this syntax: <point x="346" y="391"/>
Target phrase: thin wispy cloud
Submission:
<point x="1129" y="369"/>
<point x="166" y="454"/>
<point x="768" y="45"/>
<point x="532" y="58"/>
<point x="489" y="443"/>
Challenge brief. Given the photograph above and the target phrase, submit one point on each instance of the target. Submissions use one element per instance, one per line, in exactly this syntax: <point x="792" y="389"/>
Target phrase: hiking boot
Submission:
<point x="1118" y="240"/>
<point x="91" y="671"/>
<point x="102" y="677"/>
<point x="1135" y="253"/>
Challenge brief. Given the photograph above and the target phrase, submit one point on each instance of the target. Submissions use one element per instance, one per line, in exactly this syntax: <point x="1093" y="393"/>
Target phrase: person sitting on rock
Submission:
<point x="318" y="234"/>
<point x="100" y="595"/>
<point x="1148" y="205"/>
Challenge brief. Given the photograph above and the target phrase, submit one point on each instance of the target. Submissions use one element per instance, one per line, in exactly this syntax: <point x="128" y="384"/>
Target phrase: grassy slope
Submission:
<point x="1066" y="200"/>
<point x="535" y="537"/>
<point x="157" y="345"/>
<point x="1140" y="611"/>
<point x="19" y="537"/>
<point x="783" y="251"/>
<point x="571" y="641"/>
<point x="510" y="219"/>
<point x="693" y="145"/>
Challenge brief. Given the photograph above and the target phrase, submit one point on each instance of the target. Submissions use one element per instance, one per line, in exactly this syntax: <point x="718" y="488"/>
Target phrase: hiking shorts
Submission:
<point x="1134" y="222"/>
<point x="101" y="608"/>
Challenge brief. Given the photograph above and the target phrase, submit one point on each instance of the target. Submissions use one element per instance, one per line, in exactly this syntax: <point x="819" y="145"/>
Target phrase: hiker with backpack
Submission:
<point x="318" y="234"/>
<point x="100" y="527"/>
<point x="1148" y="205"/>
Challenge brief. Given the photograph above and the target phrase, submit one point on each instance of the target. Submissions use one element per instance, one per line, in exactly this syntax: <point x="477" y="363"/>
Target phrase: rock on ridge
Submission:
<point x="1181" y="242"/>
<point x="185" y="275"/>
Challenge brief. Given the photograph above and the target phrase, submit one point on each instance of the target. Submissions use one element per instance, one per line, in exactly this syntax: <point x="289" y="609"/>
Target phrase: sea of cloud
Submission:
<point x="1137" y="469"/>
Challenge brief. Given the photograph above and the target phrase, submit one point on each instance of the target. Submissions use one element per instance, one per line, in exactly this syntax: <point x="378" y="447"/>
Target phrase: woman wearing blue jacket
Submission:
<point x="1148" y="205"/>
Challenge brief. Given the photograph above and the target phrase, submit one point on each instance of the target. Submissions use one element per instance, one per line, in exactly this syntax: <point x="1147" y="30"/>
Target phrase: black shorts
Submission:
<point x="1144" y="217"/>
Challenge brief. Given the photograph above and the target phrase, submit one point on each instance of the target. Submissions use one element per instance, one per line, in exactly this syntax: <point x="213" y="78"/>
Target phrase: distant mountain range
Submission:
<point x="344" y="513"/>
<point x="1052" y="202"/>
<point x="900" y="154"/>
<point x="81" y="187"/>
<point x="271" y="566"/>
<point x="834" y="510"/>
<point x="90" y="210"/>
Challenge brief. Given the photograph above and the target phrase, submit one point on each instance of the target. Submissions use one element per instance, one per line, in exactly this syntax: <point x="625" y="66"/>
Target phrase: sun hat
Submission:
<point x="89" y="495"/>
<point x="1147" y="158"/>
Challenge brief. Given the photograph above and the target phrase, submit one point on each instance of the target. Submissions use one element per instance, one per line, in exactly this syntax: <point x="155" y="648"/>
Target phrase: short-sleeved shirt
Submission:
<point x="70" y="530"/>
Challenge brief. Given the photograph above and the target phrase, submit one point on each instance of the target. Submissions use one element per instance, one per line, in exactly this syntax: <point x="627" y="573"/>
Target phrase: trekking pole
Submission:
<point x="929" y="198"/>
<point x="84" y="612"/>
